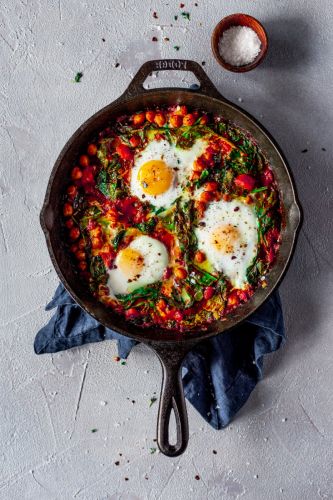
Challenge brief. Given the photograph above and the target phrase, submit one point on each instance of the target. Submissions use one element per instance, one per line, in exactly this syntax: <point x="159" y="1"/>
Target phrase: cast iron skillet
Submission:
<point x="170" y="347"/>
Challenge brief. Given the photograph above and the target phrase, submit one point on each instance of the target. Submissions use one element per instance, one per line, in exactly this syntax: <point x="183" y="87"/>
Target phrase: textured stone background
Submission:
<point x="280" y="444"/>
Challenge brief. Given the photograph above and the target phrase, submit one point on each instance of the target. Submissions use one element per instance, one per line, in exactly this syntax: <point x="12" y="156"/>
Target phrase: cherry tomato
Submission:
<point x="267" y="177"/>
<point x="245" y="181"/>
<point x="124" y="152"/>
<point x="208" y="292"/>
<point x="132" y="313"/>
<point x="69" y="223"/>
<point x="135" y="141"/>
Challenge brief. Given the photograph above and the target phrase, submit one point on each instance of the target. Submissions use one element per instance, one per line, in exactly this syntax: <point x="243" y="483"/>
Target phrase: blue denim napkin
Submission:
<point x="218" y="375"/>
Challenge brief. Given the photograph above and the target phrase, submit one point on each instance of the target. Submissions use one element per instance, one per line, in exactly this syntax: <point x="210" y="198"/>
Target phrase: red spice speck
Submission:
<point x="116" y="358"/>
<point x="154" y="39"/>
<point x="182" y="5"/>
<point x="197" y="477"/>
<point x="155" y="16"/>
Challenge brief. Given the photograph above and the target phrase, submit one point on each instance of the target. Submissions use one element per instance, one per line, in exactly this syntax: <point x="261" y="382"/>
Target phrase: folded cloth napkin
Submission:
<point x="218" y="375"/>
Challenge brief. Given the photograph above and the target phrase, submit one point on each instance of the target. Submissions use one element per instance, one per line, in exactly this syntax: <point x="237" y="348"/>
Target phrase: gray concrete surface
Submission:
<point x="280" y="444"/>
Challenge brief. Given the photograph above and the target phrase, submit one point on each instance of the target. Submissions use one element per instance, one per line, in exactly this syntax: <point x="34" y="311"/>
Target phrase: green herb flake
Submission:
<point x="175" y="18"/>
<point x="78" y="76"/>
<point x="186" y="15"/>
<point x="123" y="363"/>
<point x="176" y="47"/>
<point x="152" y="401"/>
<point x="259" y="190"/>
<point x="152" y="450"/>
<point x="94" y="430"/>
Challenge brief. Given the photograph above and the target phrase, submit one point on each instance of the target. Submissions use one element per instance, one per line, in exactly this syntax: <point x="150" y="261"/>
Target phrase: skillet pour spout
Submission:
<point x="171" y="347"/>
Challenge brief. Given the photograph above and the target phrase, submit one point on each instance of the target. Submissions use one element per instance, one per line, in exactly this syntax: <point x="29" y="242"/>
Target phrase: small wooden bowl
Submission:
<point x="239" y="20"/>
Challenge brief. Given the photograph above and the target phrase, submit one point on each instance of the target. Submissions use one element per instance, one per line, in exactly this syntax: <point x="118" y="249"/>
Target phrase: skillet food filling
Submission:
<point x="172" y="217"/>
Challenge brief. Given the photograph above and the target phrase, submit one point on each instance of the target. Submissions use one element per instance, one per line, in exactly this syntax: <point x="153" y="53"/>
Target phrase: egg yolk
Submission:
<point x="130" y="262"/>
<point x="224" y="238"/>
<point x="155" y="177"/>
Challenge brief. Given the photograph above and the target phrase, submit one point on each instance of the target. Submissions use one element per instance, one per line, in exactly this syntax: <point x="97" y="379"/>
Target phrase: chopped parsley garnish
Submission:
<point x="78" y="76"/>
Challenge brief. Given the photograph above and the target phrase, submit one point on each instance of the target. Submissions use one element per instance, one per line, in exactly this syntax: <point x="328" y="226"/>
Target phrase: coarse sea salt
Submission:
<point x="239" y="45"/>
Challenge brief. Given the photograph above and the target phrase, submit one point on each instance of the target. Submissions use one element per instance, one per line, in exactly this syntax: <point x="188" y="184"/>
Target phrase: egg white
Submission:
<point x="222" y="213"/>
<point x="180" y="161"/>
<point x="156" y="259"/>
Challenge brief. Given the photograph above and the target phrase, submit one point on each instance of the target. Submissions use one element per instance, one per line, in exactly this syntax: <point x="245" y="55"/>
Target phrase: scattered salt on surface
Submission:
<point x="239" y="45"/>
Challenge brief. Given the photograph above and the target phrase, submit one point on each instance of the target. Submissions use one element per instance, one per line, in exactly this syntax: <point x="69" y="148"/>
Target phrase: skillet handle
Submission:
<point x="136" y="86"/>
<point x="172" y="398"/>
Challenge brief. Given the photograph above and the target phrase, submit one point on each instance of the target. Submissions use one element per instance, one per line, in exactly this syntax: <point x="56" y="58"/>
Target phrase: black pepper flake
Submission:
<point x="323" y="149"/>
<point x="154" y="39"/>
<point x="155" y="16"/>
<point x="215" y="452"/>
<point x="133" y="401"/>
<point x="117" y="463"/>
<point x="236" y="209"/>
<point x="233" y="257"/>
<point x="126" y="478"/>
<point x="166" y="39"/>
<point x="117" y="65"/>
<point x="203" y="63"/>
<point x="103" y="39"/>
<point x="175" y="18"/>
<point x="197" y="477"/>
<point x="196" y="5"/>
<point x="304" y="151"/>
<point x="120" y="454"/>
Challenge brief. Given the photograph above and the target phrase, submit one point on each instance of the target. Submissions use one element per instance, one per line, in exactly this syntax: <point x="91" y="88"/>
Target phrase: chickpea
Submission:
<point x="92" y="149"/>
<point x="160" y="119"/>
<point x="67" y="210"/>
<point x="180" y="273"/>
<point x="74" y="233"/>
<point x="150" y="115"/>
<point x="69" y="223"/>
<point x="72" y="190"/>
<point x="203" y="120"/>
<point x="76" y="173"/>
<point x="206" y="196"/>
<point x="82" y="265"/>
<point x="80" y="255"/>
<point x="211" y="186"/>
<point x="189" y="119"/>
<point x="139" y="119"/>
<point x="96" y="243"/>
<point x="176" y="121"/>
<point x="181" y="110"/>
<point x="84" y="160"/>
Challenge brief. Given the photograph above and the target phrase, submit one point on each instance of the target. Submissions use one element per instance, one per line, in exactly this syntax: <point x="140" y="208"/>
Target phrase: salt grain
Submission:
<point x="239" y="45"/>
